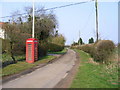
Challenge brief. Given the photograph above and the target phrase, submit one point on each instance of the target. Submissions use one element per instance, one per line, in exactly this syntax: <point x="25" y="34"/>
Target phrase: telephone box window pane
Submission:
<point x="35" y="50"/>
<point x="29" y="51"/>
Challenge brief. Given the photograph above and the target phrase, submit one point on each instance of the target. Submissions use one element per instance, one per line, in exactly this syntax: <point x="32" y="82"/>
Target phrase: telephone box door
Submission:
<point x="31" y="50"/>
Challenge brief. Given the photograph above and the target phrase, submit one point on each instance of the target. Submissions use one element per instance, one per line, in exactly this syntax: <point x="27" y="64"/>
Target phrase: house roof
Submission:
<point x="1" y="23"/>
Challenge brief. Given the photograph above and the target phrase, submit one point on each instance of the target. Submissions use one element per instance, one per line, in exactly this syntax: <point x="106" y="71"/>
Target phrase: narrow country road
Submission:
<point x="47" y="76"/>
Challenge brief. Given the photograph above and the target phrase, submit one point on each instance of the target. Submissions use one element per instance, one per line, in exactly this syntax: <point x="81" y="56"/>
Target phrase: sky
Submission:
<point x="75" y="19"/>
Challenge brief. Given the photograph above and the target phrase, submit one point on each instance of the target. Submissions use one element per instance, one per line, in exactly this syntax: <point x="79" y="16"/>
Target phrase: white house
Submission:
<point x="2" y="31"/>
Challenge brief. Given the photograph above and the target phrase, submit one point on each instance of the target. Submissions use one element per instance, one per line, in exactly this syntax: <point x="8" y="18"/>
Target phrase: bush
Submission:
<point x="119" y="49"/>
<point x="89" y="48"/>
<point x="74" y="47"/>
<point x="18" y="45"/>
<point x="5" y="45"/>
<point x="56" y="43"/>
<point x="119" y="46"/>
<point x="55" y="47"/>
<point x="42" y="48"/>
<point x="103" y="49"/>
<point x="19" y="48"/>
<point x="85" y="48"/>
<point x="100" y="50"/>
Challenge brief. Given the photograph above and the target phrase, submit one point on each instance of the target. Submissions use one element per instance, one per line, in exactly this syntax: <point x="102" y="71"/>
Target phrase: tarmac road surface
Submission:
<point x="47" y="76"/>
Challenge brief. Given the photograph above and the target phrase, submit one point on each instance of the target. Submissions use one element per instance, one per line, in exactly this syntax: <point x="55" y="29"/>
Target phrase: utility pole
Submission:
<point x="96" y="6"/>
<point x="73" y="41"/>
<point x="33" y="31"/>
<point x="79" y="37"/>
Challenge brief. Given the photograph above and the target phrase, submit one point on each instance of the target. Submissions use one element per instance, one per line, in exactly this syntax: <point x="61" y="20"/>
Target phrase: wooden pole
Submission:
<point x="96" y="6"/>
<point x="79" y="37"/>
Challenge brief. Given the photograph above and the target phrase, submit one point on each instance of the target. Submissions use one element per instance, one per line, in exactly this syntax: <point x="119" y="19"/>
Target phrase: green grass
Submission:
<point x="60" y="52"/>
<point x="92" y="75"/>
<point x="22" y="65"/>
<point x="7" y="57"/>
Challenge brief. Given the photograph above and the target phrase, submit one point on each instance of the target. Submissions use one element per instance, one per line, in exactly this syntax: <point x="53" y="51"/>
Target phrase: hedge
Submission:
<point x="100" y="50"/>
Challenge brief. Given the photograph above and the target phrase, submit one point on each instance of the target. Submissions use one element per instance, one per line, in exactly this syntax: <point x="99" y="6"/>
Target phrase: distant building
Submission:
<point x="2" y="31"/>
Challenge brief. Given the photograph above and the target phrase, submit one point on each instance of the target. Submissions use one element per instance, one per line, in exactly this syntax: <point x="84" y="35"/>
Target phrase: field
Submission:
<point x="95" y="75"/>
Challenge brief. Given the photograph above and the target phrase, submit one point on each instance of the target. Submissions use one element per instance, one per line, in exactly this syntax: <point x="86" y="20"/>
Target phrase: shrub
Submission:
<point x="55" y="47"/>
<point x="58" y="40"/>
<point x="18" y="45"/>
<point x="42" y="48"/>
<point x="119" y="49"/>
<point x="75" y="47"/>
<point x="92" y="49"/>
<point x="100" y="50"/>
<point x="119" y="46"/>
<point x="85" y="48"/>
<point x="19" y="48"/>
<point x="103" y="49"/>
<point x="89" y="48"/>
<point x="56" y="43"/>
<point x="5" y="45"/>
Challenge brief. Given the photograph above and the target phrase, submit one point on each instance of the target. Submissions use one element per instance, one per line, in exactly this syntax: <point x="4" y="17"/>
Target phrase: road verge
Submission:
<point x="31" y="69"/>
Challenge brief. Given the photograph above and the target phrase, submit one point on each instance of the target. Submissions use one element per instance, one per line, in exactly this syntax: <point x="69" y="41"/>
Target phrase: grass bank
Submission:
<point x="23" y="65"/>
<point x="93" y="75"/>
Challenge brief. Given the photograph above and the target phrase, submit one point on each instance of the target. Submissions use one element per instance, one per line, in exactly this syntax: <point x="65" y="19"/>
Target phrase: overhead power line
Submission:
<point x="53" y="8"/>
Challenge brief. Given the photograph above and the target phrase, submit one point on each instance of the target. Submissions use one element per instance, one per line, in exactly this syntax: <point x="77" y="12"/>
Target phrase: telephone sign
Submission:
<point x="31" y="50"/>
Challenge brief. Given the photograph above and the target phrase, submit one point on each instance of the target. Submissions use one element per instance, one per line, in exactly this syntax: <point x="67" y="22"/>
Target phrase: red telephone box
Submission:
<point x="31" y="50"/>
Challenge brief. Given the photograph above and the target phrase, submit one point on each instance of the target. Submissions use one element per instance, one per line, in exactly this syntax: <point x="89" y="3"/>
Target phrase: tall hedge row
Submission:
<point x="55" y="47"/>
<point x="19" y="48"/>
<point x="100" y="51"/>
